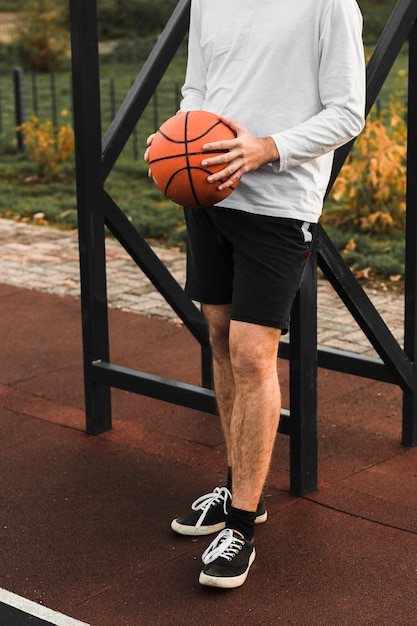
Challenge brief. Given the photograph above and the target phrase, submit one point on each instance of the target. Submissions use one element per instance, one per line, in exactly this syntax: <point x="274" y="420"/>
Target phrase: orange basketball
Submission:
<point x="176" y="153"/>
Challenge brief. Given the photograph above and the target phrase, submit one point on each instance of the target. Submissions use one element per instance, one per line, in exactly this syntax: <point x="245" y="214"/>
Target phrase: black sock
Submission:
<point x="242" y="521"/>
<point x="229" y="479"/>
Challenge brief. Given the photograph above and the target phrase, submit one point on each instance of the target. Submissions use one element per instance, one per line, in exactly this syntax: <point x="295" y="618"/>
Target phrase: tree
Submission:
<point x="41" y="38"/>
<point x="138" y="17"/>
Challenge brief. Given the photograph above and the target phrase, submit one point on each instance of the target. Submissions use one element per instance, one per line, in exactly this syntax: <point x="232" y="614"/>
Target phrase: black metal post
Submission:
<point x="87" y="125"/>
<point x="303" y="384"/>
<point x="54" y="108"/>
<point x="112" y="93"/>
<point x="35" y="107"/>
<point x="97" y="209"/>
<point x="409" y="430"/>
<point x="19" y="104"/>
<point x="1" y="112"/>
<point x="364" y="312"/>
<point x="145" y="84"/>
<point x="207" y="380"/>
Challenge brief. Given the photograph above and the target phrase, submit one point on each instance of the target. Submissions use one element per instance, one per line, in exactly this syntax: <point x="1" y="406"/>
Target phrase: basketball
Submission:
<point x="175" y="158"/>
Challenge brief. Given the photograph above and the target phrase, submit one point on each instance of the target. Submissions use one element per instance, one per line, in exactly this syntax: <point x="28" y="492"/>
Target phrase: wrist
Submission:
<point x="271" y="150"/>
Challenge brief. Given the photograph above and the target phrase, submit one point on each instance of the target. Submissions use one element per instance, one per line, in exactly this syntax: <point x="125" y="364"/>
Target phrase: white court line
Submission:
<point x="37" y="610"/>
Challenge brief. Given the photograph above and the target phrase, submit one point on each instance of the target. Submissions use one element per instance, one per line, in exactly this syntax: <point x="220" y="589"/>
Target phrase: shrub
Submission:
<point x="118" y="18"/>
<point x="376" y="14"/>
<point x="379" y="256"/>
<point x="41" y="39"/>
<point x="369" y="194"/>
<point x="48" y="148"/>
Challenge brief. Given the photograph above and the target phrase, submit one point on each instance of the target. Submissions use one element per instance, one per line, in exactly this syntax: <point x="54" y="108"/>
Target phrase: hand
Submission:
<point x="244" y="154"/>
<point x="148" y="143"/>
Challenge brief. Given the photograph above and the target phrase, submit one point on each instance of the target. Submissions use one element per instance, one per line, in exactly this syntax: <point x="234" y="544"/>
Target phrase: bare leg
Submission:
<point x="248" y="396"/>
<point x="218" y="319"/>
<point x="256" y="409"/>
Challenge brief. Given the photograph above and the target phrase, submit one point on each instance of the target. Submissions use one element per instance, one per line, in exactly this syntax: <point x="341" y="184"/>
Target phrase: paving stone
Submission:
<point x="46" y="259"/>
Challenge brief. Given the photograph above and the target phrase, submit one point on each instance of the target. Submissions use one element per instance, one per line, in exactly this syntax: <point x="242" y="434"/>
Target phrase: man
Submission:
<point x="292" y="74"/>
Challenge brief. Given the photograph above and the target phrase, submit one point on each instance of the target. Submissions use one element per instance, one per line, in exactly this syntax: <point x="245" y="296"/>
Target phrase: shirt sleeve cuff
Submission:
<point x="278" y="165"/>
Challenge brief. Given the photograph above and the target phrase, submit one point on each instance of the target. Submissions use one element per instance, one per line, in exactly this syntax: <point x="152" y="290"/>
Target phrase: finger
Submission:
<point x="232" y="180"/>
<point x="220" y="159"/>
<point x="228" y="183"/>
<point x="227" y="176"/>
<point x="227" y="144"/>
<point x="148" y="143"/>
<point x="150" y="139"/>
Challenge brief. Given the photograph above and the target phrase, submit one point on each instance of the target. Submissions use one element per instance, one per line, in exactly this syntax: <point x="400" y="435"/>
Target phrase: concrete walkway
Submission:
<point x="36" y="257"/>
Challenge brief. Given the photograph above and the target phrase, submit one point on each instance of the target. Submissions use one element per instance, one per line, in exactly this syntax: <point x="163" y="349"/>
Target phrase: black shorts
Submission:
<point x="253" y="262"/>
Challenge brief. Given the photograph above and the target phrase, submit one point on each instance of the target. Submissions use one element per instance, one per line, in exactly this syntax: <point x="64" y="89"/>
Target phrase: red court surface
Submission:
<point x="85" y="526"/>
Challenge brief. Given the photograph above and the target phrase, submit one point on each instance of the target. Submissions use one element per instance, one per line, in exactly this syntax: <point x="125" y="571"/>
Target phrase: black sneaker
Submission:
<point x="209" y="514"/>
<point x="227" y="560"/>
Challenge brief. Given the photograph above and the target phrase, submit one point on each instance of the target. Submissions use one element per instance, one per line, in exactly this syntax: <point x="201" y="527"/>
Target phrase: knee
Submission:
<point x="219" y="341"/>
<point x="253" y="352"/>
<point x="218" y="319"/>
<point x="249" y="364"/>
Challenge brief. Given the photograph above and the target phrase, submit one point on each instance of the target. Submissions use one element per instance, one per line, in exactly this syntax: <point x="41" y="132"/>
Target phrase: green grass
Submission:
<point x="115" y="82"/>
<point x="13" y="5"/>
<point x="377" y="256"/>
<point x="24" y="197"/>
<point x="154" y="216"/>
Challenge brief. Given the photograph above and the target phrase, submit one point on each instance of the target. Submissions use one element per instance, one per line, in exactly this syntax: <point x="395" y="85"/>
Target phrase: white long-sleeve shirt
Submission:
<point x="290" y="69"/>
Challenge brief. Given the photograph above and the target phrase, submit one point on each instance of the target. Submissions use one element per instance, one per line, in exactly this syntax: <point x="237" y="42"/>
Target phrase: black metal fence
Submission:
<point x="49" y="96"/>
<point x="95" y="160"/>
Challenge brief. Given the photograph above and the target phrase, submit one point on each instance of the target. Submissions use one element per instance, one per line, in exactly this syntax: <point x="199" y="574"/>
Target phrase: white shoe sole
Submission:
<point x="192" y="531"/>
<point x="223" y="582"/>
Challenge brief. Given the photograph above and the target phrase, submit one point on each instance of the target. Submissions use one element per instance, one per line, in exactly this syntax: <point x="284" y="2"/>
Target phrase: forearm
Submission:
<point x="327" y="131"/>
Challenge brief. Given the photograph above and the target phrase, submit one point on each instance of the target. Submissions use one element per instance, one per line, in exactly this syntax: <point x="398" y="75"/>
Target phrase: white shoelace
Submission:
<point x="225" y="545"/>
<point x="203" y="503"/>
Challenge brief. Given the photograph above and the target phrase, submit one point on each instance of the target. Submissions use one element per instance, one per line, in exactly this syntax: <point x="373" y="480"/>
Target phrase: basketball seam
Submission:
<point x="187" y="155"/>
<point x="190" y="178"/>
<point x="186" y="169"/>
<point x="179" y="155"/>
<point x="170" y="139"/>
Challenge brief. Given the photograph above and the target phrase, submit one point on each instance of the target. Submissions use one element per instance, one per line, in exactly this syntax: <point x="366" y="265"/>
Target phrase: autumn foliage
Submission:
<point x="49" y="148"/>
<point x="369" y="194"/>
